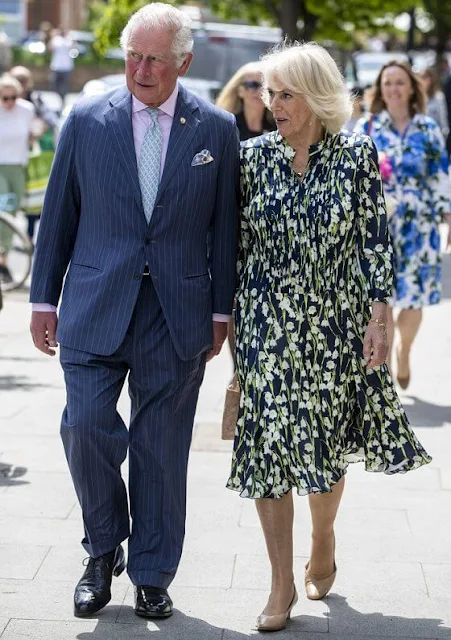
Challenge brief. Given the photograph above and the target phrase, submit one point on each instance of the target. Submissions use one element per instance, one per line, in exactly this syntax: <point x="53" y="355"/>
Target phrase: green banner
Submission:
<point x="38" y="172"/>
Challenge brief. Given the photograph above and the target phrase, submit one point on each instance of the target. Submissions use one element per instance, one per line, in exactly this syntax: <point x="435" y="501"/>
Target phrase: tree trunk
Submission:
<point x="289" y="16"/>
<point x="310" y="21"/>
<point x="411" y="34"/>
<point x="292" y="12"/>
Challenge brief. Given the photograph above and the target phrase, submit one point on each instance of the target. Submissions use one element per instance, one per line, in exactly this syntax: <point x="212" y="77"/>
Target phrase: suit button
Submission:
<point x="146" y="240"/>
<point x="137" y="276"/>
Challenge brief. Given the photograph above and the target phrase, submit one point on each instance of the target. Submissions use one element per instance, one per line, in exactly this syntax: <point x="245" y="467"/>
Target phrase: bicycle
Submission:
<point x="20" y="248"/>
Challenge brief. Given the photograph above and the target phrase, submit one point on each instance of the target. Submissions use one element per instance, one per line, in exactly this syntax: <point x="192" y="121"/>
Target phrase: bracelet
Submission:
<point x="380" y="324"/>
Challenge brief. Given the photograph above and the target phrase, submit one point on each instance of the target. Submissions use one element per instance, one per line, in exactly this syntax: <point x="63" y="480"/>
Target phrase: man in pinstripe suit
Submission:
<point x="139" y="293"/>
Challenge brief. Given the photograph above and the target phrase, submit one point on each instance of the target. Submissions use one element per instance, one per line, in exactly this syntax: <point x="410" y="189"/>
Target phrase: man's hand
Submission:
<point x="43" y="331"/>
<point x="219" y="335"/>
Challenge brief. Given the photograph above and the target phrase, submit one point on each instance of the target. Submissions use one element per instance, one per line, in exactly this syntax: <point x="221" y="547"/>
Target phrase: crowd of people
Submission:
<point x="27" y="125"/>
<point x="320" y="240"/>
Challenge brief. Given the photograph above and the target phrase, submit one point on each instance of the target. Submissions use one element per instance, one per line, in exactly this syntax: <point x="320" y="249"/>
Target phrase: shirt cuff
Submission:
<point x="42" y="306"/>
<point x="221" y="317"/>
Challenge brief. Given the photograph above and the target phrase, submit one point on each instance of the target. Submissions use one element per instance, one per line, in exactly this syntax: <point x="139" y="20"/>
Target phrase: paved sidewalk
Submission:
<point x="393" y="533"/>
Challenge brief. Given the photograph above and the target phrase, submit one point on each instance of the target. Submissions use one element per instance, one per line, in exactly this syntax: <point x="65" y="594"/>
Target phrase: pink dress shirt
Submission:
<point x="140" y="123"/>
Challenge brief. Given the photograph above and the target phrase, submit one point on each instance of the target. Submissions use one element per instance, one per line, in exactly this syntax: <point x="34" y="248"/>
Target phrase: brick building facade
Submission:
<point x="70" y="14"/>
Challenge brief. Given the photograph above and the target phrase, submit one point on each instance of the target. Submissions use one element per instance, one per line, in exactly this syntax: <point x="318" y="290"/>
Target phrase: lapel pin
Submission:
<point x="182" y="121"/>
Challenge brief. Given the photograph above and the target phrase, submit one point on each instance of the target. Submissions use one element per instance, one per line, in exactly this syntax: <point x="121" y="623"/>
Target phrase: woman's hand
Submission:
<point x="375" y="343"/>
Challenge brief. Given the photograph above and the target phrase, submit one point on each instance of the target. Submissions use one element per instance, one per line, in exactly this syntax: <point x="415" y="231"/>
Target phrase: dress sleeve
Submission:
<point x="439" y="181"/>
<point x="373" y="241"/>
<point x="246" y="156"/>
<point x="361" y="126"/>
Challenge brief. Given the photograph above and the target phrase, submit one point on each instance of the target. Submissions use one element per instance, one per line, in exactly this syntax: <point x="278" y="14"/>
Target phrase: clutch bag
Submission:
<point x="231" y="407"/>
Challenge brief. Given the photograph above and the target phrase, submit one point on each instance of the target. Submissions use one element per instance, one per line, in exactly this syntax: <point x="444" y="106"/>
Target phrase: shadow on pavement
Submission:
<point x="178" y="627"/>
<point x="426" y="414"/>
<point x="9" y="475"/>
<point x="11" y="383"/>
<point x="351" y="623"/>
<point x="378" y="625"/>
<point x="19" y="358"/>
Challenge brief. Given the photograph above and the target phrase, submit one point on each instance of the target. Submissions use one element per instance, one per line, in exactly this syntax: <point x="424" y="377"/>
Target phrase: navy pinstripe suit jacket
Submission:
<point x="93" y="222"/>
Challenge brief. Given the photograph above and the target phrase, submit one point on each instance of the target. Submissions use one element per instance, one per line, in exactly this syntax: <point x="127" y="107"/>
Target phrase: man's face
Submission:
<point x="151" y="67"/>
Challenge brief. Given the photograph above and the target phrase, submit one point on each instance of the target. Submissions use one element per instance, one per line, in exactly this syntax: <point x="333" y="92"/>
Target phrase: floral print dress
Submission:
<point x="313" y="255"/>
<point x="421" y="188"/>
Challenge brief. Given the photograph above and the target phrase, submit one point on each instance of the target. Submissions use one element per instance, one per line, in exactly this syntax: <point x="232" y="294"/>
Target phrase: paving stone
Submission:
<point x="21" y="561"/>
<point x="404" y="615"/>
<point x="35" y="453"/>
<point x="3" y="623"/>
<point x="393" y="547"/>
<point x="49" y="495"/>
<point x="232" y="609"/>
<point x="65" y="564"/>
<point x="386" y="526"/>
<point x="207" y="437"/>
<point x="183" y="628"/>
<point x="42" y="531"/>
<point x="196" y="569"/>
<point x="212" y="570"/>
<point x="254" y="572"/>
<point x="389" y="578"/>
<point x="438" y="580"/>
<point x="52" y="600"/>
<point x="293" y="634"/>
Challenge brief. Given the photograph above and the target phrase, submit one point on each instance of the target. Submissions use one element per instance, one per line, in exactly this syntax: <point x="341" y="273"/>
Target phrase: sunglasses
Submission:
<point x="251" y="84"/>
<point x="9" y="98"/>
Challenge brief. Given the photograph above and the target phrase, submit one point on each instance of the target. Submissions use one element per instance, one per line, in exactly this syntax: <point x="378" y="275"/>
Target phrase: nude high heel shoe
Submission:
<point x="278" y="621"/>
<point x="317" y="589"/>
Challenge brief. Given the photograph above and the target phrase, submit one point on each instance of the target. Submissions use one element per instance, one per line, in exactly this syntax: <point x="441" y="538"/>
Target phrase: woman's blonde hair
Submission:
<point x="229" y="99"/>
<point x="8" y="82"/>
<point x="23" y="75"/>
<point x="418" y="99"/>
<point x="309" y="70"/>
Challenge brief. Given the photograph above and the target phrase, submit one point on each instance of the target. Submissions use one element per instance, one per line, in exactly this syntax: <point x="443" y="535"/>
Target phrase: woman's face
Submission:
<point x="290" y="111"/>
<point x="396" y="87"/>
<point x="250" y="89"/>
<point x="9" y="97"/>
<point x="426" y="80"/>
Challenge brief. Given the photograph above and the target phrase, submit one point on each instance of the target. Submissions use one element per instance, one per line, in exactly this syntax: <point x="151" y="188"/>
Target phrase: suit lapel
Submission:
<point x="118" y="119"/>
<point x="183" y="129"/>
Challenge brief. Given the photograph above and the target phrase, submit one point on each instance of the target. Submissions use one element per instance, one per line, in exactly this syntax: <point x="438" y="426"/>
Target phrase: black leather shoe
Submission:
<point x="93" y="591"/>
<point x="152" y="602"/>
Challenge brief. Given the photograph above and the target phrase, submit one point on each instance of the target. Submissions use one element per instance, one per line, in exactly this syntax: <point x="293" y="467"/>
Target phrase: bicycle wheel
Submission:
<point x="20" y="250"/>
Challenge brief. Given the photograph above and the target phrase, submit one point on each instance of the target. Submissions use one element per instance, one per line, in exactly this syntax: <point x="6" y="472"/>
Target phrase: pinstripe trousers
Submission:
<point x="163" y="390"/>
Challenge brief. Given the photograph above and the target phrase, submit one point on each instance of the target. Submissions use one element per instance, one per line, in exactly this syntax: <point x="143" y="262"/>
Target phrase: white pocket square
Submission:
<point x="203" y="157"/>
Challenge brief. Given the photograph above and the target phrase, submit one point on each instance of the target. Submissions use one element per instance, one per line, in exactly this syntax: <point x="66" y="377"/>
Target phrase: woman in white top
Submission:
<point x="16" y="118"/>
<point x="62" y="62"/>
<point x="436" y="106"/>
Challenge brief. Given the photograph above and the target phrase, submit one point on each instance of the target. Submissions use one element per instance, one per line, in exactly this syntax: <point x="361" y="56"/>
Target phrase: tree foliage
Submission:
<point x="111" y="19"/>
<point x="337" y="20"/>
<point x="340" y="21"/>
<point x="440" y="12"/>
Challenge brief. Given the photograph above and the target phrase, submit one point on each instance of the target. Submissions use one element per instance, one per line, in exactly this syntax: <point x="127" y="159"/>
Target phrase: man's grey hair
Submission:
<point x="157" y="15"/>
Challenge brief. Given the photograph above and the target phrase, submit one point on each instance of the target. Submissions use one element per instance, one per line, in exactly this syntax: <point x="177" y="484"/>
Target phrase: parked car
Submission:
<point x="206" y="89"/>
<point x="368" y="64"/>
<point x="83" y="44"/>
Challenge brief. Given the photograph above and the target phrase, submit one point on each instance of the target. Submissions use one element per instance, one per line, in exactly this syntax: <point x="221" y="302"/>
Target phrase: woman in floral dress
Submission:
<point x="315" y="275"/>
<point x="420" y="188"/>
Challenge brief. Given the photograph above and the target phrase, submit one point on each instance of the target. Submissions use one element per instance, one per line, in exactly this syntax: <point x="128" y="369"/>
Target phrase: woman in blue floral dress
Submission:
<point x="315" y="274"/>
<point x="418" y="185"/>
